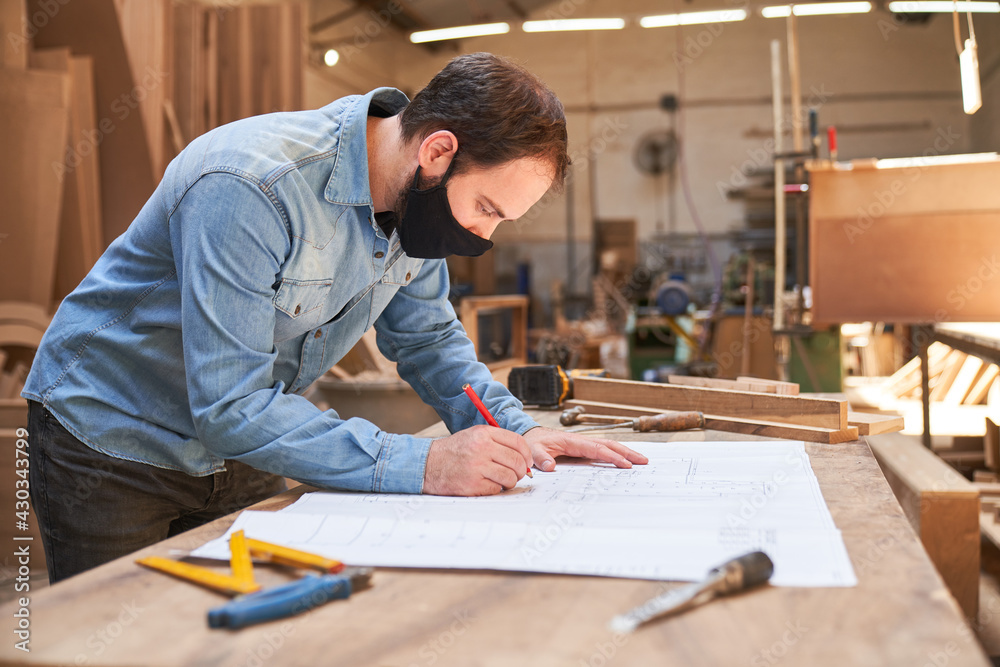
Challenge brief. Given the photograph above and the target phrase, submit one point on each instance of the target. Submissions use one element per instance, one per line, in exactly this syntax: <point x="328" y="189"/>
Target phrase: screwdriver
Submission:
<point x="739" y="574"/>
<point x="667" y="421"/>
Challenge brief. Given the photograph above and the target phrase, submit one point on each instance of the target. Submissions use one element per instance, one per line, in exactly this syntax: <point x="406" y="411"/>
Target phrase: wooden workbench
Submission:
<point x="899" y="614"/>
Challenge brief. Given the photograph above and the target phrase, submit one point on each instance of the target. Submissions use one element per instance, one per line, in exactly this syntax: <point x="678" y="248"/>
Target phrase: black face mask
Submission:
<point x="428" y="230"/>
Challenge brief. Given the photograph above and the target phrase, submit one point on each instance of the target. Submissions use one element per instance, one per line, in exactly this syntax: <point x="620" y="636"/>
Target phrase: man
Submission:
<point x="167" y="391"/>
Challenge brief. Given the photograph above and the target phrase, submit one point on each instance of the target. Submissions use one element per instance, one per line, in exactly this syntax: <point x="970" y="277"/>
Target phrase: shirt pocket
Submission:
<point x="402" y="272"/>
<point x="302" y="303"/>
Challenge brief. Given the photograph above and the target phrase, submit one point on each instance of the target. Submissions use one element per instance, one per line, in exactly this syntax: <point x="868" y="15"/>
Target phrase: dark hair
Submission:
<point x="498" y="111"/>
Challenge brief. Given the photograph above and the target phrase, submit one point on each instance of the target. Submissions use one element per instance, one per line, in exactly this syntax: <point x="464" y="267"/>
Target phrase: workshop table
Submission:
<point x="900" y="613"/>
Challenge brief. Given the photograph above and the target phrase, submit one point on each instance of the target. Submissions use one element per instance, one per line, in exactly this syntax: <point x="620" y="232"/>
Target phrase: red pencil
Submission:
<point x="470" y="392"/>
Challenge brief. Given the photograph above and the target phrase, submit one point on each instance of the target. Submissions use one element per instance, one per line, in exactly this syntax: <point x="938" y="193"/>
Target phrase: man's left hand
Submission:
<point x="547" y="443"/>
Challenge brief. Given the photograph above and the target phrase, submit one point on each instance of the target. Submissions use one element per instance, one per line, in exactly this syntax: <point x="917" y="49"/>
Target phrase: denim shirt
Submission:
<point x="253" y="269"/>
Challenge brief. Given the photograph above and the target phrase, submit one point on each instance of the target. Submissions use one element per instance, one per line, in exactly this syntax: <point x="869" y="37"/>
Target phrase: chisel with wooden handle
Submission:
<point x="667" y="421"/>
<point x="739" y="574"/>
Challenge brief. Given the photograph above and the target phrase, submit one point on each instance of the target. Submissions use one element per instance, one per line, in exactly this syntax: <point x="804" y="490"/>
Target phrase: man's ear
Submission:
<point x="436" y="153"/>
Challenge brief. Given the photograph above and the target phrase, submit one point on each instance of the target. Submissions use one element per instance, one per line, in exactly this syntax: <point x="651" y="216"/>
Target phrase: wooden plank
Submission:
<point x="964" y="381"/>
<point x="991" y="445"/>
<point x="987" y="488"/>
<point x="952" y="365"/>
<point x="126" y="171"/>
<point x="984" y="367"/>
<point x="147" y="33"/>
<point x="943" y="508"/>
<point x="981" y="389"/>
<point x="720" y="383"/>
<point x="907" y="379"/>
<point x="80" y="220"/>
<point x="733" y="424"/>
<point x="799" y="410"/>
<point x="871" y="424"/>
<point x="34" y="106"/>
<point x="14" y="31"/>
<point x="784" y="388"/>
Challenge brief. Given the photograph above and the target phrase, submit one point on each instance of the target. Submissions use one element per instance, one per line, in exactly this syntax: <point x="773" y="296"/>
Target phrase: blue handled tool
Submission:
<point x="256" y="606"/>
<point x="293" y="598"/>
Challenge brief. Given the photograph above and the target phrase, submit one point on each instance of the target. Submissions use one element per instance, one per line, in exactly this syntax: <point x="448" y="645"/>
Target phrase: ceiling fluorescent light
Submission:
<point x="817" y="9"/>
<point x="778" y="12"/>
<point x="942" y="7"/>
<point x="459" y="32"/>
<point x="557" y="25"/>
<point x="693" y="18"/>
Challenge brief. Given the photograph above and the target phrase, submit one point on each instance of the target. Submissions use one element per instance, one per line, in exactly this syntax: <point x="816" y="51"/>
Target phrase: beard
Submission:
<point x="399" y="207"/>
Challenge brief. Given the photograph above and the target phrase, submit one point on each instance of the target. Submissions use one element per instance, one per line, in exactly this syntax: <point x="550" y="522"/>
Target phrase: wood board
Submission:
<point x="803" y="411"/>
<point x="92" y="28"/>
<point x="943" y="508"/>
<point x="742" y="426"/>
<point x="721" y="383"/>
<point x="13" y="30"/>
<point x="785" y="388"/>
<point x="872" y="424"/>
<point x="37" y="104"/>
<point x="80" y="221"/>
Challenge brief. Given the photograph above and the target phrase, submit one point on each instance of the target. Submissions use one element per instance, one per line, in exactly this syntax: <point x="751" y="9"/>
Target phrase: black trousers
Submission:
<point x="92" y="507"/>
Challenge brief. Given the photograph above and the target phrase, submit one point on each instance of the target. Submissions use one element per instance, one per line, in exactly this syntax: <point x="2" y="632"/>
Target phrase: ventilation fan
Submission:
<point x="656" y="152"/>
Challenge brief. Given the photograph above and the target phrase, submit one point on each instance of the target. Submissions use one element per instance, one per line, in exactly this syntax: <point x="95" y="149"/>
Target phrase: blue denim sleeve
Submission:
<point x="229" y="241"/>
<point x="419" y="330"/>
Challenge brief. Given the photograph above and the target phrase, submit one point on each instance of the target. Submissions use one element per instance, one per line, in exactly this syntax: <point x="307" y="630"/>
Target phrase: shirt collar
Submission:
<point x="349" y="183"/>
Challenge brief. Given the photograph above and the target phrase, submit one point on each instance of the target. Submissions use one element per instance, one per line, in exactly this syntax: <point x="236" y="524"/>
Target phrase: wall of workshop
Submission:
<point x="985" y="123"/>
<point x="893" y="90"/>
<point x="369" y="49"/>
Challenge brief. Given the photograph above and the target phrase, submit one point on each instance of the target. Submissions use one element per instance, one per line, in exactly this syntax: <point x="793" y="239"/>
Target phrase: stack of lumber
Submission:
<point x="956" y="378"/>
<point x="765" y="413"/>
<point x="35" y="110"/>
<point x="88" y="93"/>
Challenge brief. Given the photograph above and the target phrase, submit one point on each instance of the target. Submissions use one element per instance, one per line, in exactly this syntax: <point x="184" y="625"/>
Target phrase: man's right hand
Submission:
<point x="479" y="461"/>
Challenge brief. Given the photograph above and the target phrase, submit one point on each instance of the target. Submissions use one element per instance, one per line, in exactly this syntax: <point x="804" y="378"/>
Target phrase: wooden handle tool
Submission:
<point x="666" y="421"/>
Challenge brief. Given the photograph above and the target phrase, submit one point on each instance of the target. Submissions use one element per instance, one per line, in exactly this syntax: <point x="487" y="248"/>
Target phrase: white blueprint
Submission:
<point x="694" y="506"/>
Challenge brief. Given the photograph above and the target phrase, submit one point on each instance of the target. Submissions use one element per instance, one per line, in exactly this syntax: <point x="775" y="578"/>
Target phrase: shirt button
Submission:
<point x="379" y="255"/>
<point x="318" y="334"/>
<point x="298" y="309"/>
<point x="407" y="275"/>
